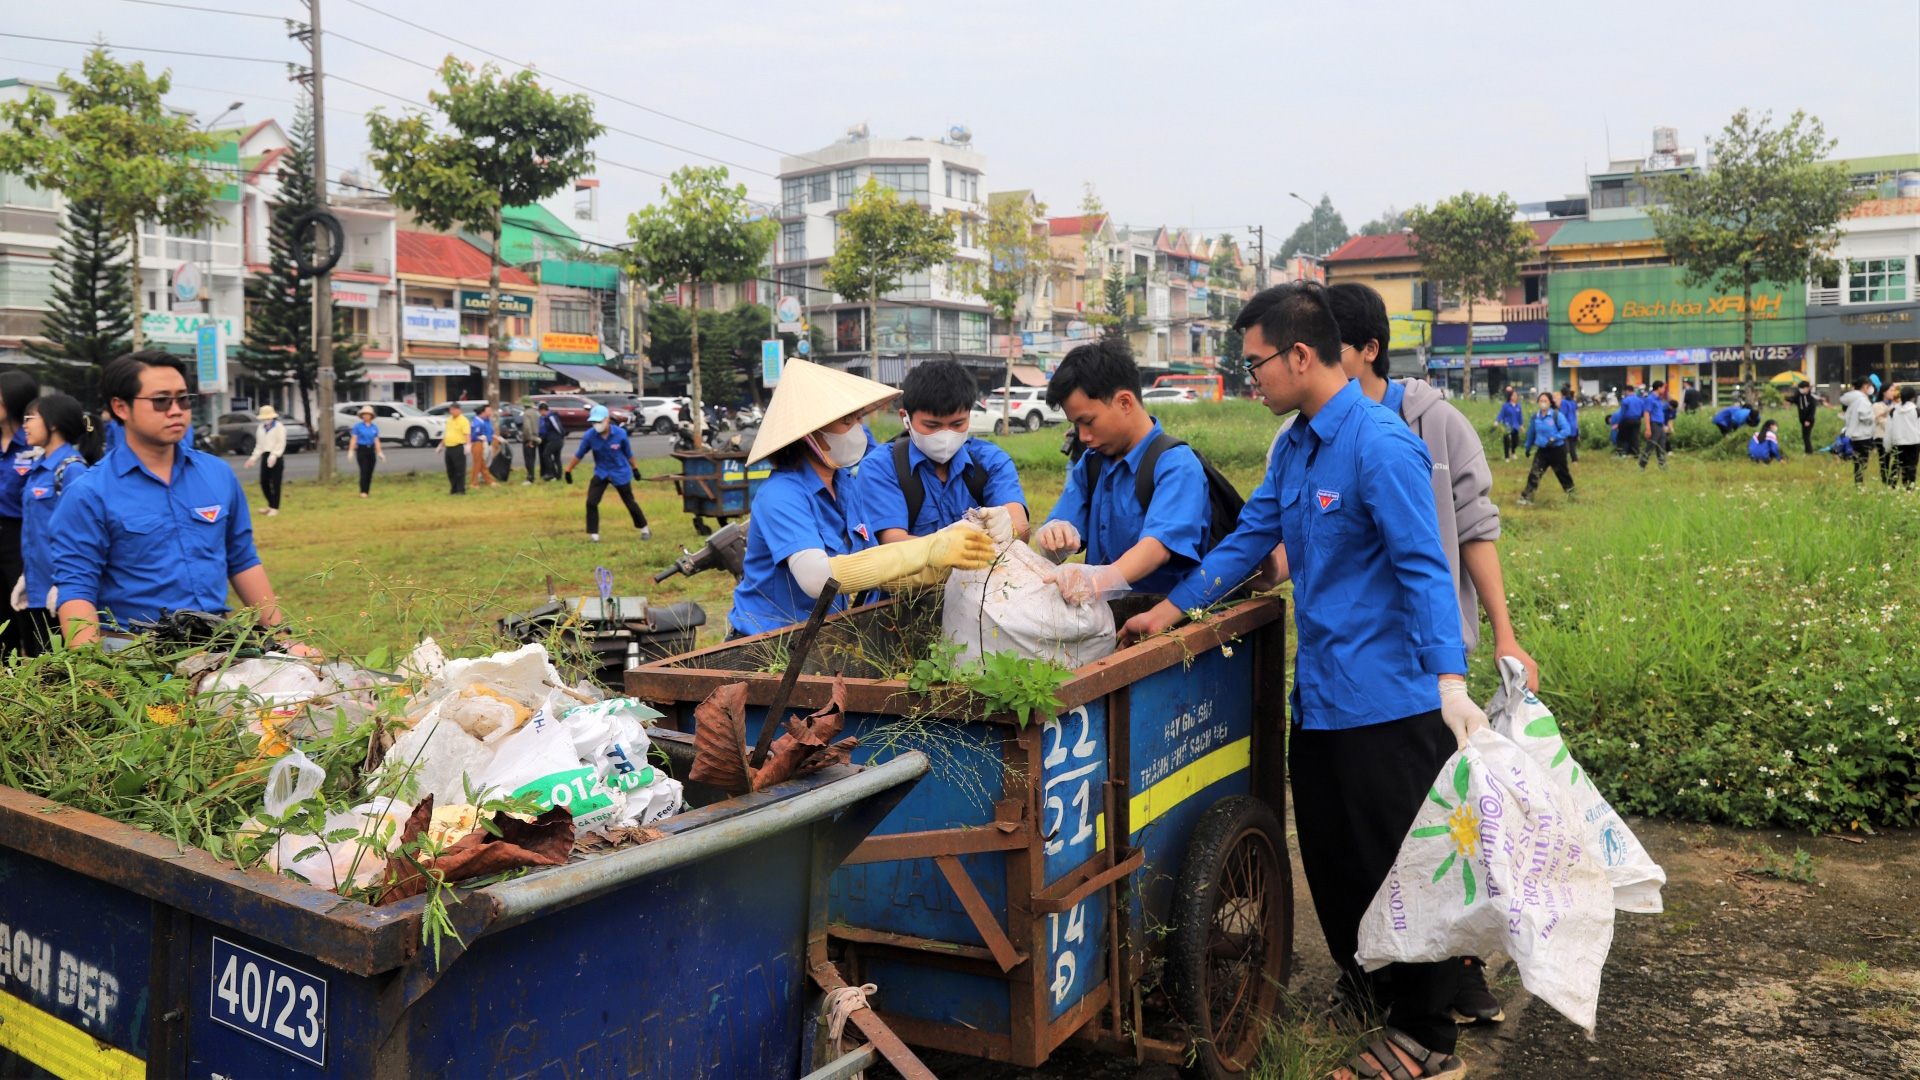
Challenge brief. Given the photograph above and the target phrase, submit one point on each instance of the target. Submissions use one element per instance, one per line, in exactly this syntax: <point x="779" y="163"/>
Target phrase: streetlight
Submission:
<point x="1313" y="218"/>
<point x="223" y="115"/>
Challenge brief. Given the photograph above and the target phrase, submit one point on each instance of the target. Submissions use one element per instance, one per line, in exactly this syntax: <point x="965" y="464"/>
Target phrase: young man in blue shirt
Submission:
<point x="613" y="464"/>
<point x="155" y="524"/>
<point x="1379" y="700"/>
<point x="1660" y="413"/>
<point x="1129" y="547"/>
<point x="931" y="475"/>
<point x="553" y="442"/>
<point x="1632" y="418"/>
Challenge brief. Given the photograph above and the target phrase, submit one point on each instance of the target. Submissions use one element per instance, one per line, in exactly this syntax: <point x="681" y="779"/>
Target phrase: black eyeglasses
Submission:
<point x="165" y="402"/>
<point x="1253" y="365"/>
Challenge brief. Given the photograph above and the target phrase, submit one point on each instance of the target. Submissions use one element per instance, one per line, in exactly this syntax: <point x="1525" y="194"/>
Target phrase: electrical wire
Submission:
<point x="142" y="48"/>
<point x="211" y="11"/>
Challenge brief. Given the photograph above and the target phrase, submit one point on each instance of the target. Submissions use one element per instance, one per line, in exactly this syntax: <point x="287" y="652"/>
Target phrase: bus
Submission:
<point x="1209" y="387"/>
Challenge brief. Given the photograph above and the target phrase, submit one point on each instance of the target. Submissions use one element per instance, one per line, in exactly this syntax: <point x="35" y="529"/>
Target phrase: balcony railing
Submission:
<point x="1818" y="295"/>
<point x="366" y="264"/>
<point x="1524" y="312"/>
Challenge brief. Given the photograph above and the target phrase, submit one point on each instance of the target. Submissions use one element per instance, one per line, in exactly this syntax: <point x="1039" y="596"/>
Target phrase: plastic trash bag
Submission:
<point x="444" y="759"/>
<point x="589" y="761"/>
<point x="1518" y="714"/>
<point x="1497" y="861"/>
<point x="294" y="779"/>
<point x="1011" y="607"/>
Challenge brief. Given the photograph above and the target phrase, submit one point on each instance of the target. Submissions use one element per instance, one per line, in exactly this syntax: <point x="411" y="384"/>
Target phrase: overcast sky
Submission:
<point x="1183" y="114"/>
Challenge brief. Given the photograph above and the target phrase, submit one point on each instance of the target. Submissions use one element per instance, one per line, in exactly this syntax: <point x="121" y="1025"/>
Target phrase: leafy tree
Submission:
<point x="1323" y="231"/>
<point x="1471" y="246"/>
<point x="702" y="235"/>
<point x="115" y="145"/>
<point x="1766" y="211"/>
<point x="511" y="142"/>
<point x="883" y="241"/>
<point x="731" y="342"/>
<point x="1389" y="222"/>
<point x="91" y="316"/>
<point x="279" y="342"/>
<point x="1019" y="258"/>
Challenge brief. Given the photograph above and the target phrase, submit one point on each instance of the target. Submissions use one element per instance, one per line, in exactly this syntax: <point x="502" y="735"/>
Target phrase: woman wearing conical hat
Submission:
<point x="805" y="527"/>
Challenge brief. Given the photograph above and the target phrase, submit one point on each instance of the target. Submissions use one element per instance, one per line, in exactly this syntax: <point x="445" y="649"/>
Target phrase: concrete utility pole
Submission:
<point x="323" y="284"/>
<point x="1260" y="271"/>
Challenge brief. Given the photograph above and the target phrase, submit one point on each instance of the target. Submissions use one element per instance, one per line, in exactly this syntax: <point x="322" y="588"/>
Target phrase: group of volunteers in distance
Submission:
<point x="1375" y="504"/>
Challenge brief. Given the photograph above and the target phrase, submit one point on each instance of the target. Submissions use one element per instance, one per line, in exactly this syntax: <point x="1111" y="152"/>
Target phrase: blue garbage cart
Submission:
<point x="125" y="956"/>
<point x="1116" y="873"/>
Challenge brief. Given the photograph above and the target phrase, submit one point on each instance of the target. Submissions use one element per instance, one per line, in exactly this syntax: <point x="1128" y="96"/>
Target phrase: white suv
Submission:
<point x="1030" y="408"/>
<point x="398" y="423"/>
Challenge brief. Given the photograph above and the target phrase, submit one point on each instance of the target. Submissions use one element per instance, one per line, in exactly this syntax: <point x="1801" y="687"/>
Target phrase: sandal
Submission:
<point x="1395" y="1056"/>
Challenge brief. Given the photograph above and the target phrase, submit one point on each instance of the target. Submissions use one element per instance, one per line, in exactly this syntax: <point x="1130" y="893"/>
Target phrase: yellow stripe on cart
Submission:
<point x="60" y="1048"/>
<point x="1234" y="757"/>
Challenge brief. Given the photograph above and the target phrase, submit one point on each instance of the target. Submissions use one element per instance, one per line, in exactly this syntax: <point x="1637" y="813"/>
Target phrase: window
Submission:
<point x="909" y="180"/>
<point x="26" y="283"/>
<point x="819" y="187"/>
<point x="793" y="281"/>
<point x="843" y="186"/>
<point x="973" y="331"/>
<point x="793" y="196"/>
<point x="571" y="316"/>
<point x="793" y="241"/>
<point x="15" y="192"/>
<point x="1876" y="281"/>
<point x="914" y="287"/>
<point x="706" y="297"/>
<point x="949" y="330"/>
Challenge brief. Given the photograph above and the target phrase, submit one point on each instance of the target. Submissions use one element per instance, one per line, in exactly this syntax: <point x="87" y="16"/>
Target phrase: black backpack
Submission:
<point x="1223" y="502"/>
<point x="916" y="492"/>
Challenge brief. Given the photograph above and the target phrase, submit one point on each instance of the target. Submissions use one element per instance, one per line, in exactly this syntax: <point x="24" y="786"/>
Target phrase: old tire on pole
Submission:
<point x="1231" y="949"/>
<point x="336" y="245"/>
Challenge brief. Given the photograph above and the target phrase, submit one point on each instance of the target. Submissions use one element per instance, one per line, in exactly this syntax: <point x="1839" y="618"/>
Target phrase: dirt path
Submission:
<point x="1746" y="974"/>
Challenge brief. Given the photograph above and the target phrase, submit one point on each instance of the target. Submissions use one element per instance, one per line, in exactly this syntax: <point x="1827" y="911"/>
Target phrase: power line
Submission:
<point x="213" y="11"/>
<point x="143" y="48"/>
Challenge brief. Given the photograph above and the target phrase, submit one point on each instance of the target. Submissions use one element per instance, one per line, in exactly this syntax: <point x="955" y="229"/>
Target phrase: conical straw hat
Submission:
<point x="809" y="398"/>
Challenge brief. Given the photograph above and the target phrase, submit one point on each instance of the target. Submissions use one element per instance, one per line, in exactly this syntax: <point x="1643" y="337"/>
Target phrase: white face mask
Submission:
<point x="842" y="451"/>
<point x="940" y="446"/>
<point x="602" y="426"/>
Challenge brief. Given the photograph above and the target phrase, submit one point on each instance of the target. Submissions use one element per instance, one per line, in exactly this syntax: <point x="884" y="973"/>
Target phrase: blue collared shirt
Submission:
<point x="612" y="454"/>
<point x="1632" y="408"/>
<point x="115" y="437"/>
<point x="132" y="544"/>
<point x="1570" y="409"/>
<point x="481" y="430"/>
<point x="884" y="506"/>
<point x="39" y="498"/>
<point x="1109" y="518"/>
<point x="551" y="426"/>
<point x="792" y="512"/>
<point x="1547" y="429"/>
<point x="13" y="473"/>
<point x="1351" y="493"/>
<point x="1510" y="416"/>
<point x="366" y="433"/>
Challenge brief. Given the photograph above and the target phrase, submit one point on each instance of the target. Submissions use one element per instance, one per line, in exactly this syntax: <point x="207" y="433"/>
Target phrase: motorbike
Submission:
<point x="683" y="436"/>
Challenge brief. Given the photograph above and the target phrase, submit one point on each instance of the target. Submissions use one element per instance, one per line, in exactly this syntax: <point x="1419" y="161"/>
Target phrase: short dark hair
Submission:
<point x="121" y="377"/>
<point x="17" y="391"/>
<point x="484" y="406"/>
<point x="1909" y="393"/>
<point x="1862" y="381"/>
<point x="1294" y="313"/>
<point x="452" y="405"/>
<point x="1362" y="317"/>
<point x="938" y="388"/>
<point x="1660" y="384"/>
<point x="543" y="406"/>
<point x="1804" y="384"/>
<point x="1098" y="369"/>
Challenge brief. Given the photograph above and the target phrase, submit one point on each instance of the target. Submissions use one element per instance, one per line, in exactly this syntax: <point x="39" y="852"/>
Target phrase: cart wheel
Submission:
<point x="1231" y="949"/>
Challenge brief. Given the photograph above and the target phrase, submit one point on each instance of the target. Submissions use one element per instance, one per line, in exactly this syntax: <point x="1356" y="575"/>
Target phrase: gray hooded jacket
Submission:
<point x="1462" y="487"/>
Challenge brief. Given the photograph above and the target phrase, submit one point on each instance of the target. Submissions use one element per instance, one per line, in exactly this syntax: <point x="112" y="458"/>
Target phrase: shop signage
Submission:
<point x="355" y="296"/>
<point x="1764" y="353"/>
<point x="1516" y="335"/>
<point x="772" y="359"/>
<point x="1642" y="308"/>
<point x="392" y="373"/>
<point x="473" y="341"/>
<point x="580" y="343"/>
<point x="1410" y="329"/>
<point x="475" y="303"/>
<point x="1877" y="318"/>
<point x="181" y="329"/>
<point x="522" y="344"/>
<point x="426" y="369"/>
<point x="431" y="324"/>
<point x="1633" y="357"/>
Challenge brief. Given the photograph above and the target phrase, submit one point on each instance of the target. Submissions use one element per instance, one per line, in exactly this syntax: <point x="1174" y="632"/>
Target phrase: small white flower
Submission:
<point x="1564" y="607"/>
<point x="1832" y="749"/>
<point x="1813" y="796"/>
<point x="1633" y="746"/>
<point x="1226" y="650"/>
<point x="1703" y="783"/>
<point x="1788" y="754"/>
<point x="1769" y="793"/>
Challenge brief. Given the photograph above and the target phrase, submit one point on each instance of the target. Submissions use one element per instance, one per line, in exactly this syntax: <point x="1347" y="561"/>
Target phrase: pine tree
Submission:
<point x="89" y="322"/>
<point x="279" y="344"/>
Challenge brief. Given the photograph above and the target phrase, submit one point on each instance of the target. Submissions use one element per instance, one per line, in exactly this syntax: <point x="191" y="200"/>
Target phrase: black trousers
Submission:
<point x="530" y="453"/>
<point x="14" y="637"/>
<point x="1355" y="794"/>
<point x="1554" y="457"/>
<point x="1629" y="443"/>
<point x="1509" y="444"/>
<point x="550" y="452"/>
<point x="1655" y="442"/>
<point x="1862" y="452"/>
<point x="366" y="456"/>
<point x="1909" y="462"/>
<point x="1806" y="435"/>
<point x="597" y="487"/>
<point x="34" y="629"/>
<point x="456" y="470"/>
<point x="270" y="481"/>
<point x="1573" y="444"/>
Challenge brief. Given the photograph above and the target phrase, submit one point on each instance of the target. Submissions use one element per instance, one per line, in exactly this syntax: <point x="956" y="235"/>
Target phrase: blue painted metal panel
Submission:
<point x="348" y="1040"/>
<point x="76" y="948"/>
<point x="1073" y="766"/>
<point x="980" y="1002"/>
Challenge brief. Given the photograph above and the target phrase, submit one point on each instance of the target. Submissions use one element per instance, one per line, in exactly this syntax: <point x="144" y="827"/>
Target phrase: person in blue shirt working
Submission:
<point x="613" y="464"/>
<point x="806" y="529"/>
<point x="1632" y="420"/>
<point x="1734" y="416"/>
<point x="1379" y="699"/>
<point x="931" y="475"/>
<point x="1570" y="412"/>
<point x="553" y="442"/>
<point x="1547" y="441"/>
<point x="366" y="447"/>
<point x="154" y="524"/>
<point x="1764" y="447"/>
<point x="482" y="438"/>
<point x="17" y="391"/>
<point x="67" y="437"/>
<point x="1510" y="420"/>
<point x="1660" y="414"/>
<point x="1129" y="547"/>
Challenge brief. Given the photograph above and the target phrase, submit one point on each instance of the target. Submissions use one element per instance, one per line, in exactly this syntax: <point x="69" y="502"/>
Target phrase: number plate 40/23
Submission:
<point x="284" y="1007"/>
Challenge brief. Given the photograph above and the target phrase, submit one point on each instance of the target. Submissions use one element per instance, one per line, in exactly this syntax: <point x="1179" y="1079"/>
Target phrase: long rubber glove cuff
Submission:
<point x="1083" y="585"/>
<point x="964" y="548"/>
<point x="1458" y="711"/>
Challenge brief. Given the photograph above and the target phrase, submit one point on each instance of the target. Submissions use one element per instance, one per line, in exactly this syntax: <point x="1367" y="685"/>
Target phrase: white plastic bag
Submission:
<point x="444" y="759"/>
<point x="1496" y="861"/>
<point x="573" y="762"/>
<point x="1011" y="607"/>
<point x="1519" y="715"/>
<point x="293" y="779"/>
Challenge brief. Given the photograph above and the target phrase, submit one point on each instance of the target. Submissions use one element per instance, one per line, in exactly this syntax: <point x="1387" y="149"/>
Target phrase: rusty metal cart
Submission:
<point x="714" y="484"/>
<point x="1116" y="874"/>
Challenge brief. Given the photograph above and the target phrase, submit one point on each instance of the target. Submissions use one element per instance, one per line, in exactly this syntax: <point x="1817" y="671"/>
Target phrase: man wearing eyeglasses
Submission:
<point x="1379" y="700"/>
<point x="156" y="524"/>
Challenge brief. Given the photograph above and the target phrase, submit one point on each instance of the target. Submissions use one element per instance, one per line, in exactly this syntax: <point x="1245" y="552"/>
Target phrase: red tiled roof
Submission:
<point x="433" y="255"/>
<point x="1390" y="246"/>
<point x="1074" y="226"/>
<point x="267" y="163"/>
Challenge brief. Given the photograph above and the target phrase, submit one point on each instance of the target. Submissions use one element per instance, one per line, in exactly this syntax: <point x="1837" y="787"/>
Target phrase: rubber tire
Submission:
<point x="999" y="427"/>
<point x="343" y="440"/>
<point x="416" y="437"/>
<point x="1035" y="421"/>
<point x="1226" y="824"/>
<point x="662" y="426"/>
<point x="245" y="446"/>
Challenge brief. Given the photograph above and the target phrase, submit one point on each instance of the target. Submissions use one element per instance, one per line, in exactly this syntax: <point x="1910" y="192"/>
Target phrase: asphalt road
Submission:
<point x="306" y="464"/>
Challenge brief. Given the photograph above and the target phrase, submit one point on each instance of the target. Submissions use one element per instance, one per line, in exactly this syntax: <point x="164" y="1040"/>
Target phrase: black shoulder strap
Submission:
<point x="976" y="478"/>
<point x="1143" y="477"/>
<point x="910" y="485"/>
<point x="60" y="475"/>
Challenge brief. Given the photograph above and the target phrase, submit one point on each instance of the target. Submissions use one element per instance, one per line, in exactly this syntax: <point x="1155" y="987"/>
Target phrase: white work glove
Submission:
<point x="1057" y="540"/>
<point x="19" y="597"/>
<point x="995" y="521"/>
<point x="1082" y="585"/>
<point x="1457" y="709"/>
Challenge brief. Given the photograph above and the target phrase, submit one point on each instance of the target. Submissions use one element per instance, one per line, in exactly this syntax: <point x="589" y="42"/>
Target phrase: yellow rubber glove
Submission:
<point x="965" y="548"/>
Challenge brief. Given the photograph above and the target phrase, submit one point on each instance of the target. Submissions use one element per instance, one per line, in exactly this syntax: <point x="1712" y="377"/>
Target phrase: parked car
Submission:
<point x="1030" y="408"/>
<point x="506" y="421"/>
<point x="982" y="422"/>
<point x="1169" y="395"/>
<point x="398" y="422"/>
<point x="234" y="434"/>
<point x="573" y="409"/>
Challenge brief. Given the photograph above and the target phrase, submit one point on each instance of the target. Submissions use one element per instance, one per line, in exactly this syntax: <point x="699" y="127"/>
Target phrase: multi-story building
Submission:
<point x="932" y="313"/>
<point x="1862" y="322"/>
<point x="443" y="333"/>
<point x="1392" y="268"/>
